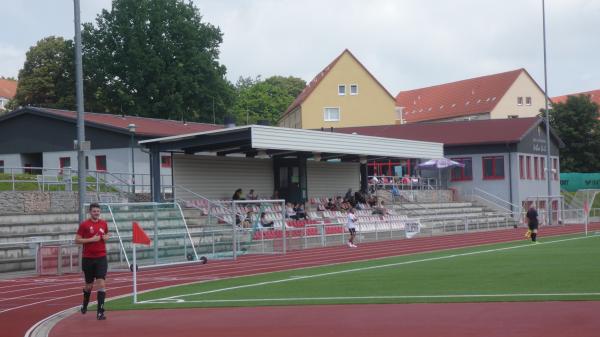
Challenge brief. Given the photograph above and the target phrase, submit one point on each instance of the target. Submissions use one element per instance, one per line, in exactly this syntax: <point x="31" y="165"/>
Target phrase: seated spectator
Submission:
<point x="330" y="205"/>
<point x="372" y="201"/>
<point x="237" y="195"/>
<point x="289" y="211"/>
<point x="405" y="180"/>
<point x="300" y="212"/>
<point x="264" y="221"/>
<point x="380" y="209"/>
<point x="348" y="195"/>
<point x="252" y="195"/>
<point x="247" y="222"/>
<point x="359" y="198"/>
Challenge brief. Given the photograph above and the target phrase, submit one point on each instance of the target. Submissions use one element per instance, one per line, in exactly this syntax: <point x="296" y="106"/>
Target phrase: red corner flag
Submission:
<point x="139" y="236"/>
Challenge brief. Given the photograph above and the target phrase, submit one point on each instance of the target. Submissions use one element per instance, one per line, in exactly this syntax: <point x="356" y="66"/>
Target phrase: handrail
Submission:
<point x="209" y="204"/>
<point x="476" y="189"/>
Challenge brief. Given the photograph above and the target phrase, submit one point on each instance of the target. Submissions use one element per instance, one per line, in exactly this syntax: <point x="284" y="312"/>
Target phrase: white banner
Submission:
<point x="412" y="228"/>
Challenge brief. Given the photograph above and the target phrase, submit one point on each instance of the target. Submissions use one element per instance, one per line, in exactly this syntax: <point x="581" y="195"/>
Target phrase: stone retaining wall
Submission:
<point x="32" y="202"/>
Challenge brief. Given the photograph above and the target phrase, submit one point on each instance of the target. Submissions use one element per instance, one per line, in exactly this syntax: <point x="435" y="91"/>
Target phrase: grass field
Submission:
<point x="558" y="268"/>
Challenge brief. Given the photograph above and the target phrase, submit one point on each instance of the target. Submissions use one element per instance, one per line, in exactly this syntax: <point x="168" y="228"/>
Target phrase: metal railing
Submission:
<point x="65" y="179"/>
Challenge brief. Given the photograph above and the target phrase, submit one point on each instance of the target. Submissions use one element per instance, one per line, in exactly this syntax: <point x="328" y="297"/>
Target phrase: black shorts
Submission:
<point x="94" y="268"/>
<point x="352" y="230"/>
<point x="533" y="226"/>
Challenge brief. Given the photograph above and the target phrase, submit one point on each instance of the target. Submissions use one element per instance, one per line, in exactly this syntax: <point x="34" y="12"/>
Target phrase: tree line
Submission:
<point x="150" y="58"/>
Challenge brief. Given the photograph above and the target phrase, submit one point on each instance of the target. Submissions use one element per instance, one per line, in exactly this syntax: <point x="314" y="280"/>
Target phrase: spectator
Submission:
<point x="348" y="195"/>
<point x="237" y="195"/>
<point x="247" y="222"/>
<point x="289" y="211"/>
<point x="380" y="209"/>
<point x="252" y="195"/>
<point x="300" y="212"/>
<point x="330" y="205"/>
<point x="275" y="195"/>
<point x="351" y="225"/>
<point x="264" y="221"/>
<point x="359" y="198"/>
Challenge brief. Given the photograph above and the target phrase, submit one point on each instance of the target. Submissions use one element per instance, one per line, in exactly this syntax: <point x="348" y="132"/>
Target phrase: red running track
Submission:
<point x="23" y="302"/>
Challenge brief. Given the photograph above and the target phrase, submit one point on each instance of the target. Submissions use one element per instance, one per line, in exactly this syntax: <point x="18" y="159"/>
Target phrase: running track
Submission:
<point x="25" y="301"/>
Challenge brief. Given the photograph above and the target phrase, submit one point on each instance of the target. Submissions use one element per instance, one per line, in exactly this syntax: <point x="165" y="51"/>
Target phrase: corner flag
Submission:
<point x="139" y="236"/>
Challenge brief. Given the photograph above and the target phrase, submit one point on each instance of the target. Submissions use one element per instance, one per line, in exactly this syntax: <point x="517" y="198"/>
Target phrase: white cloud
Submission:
<point x="404" y="43"/>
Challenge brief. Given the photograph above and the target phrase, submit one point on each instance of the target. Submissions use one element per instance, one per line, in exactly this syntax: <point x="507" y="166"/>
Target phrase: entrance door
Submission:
<point x="290" y="179"/>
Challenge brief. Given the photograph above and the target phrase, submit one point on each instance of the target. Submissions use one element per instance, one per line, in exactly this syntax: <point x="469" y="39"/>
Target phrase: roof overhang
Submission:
<point x="276" y="141"/>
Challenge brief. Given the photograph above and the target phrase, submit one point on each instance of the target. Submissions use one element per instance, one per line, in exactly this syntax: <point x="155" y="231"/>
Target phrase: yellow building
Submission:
<point x="343" y="94"/>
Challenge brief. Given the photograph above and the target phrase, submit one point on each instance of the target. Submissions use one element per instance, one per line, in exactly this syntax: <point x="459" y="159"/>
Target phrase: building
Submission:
<point x="498" y="96"/>
<point x="505" y="159"/>
<point x="343" y="94"/>
<point x="8" y="90"/>
<point x="38" y="137"/>
<point x="594" y="96"/>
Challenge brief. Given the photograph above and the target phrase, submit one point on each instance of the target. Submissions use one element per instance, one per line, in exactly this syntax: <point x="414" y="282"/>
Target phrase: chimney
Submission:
<point x="400" y="114"/>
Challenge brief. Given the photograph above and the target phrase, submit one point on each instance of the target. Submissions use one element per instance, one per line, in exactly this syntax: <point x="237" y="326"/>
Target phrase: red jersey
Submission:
<point x="88" y="229"/>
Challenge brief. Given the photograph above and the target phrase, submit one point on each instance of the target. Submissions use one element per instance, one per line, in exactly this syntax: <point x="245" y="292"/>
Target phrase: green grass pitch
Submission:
<point x="558" y="268"/>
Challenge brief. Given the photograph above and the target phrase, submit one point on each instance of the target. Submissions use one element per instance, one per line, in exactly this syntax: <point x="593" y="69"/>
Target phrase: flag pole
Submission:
<point x="134" y="275"/>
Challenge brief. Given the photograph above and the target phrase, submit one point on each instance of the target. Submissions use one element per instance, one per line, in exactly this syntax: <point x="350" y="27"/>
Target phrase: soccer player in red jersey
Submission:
<point x="92" y="234"/>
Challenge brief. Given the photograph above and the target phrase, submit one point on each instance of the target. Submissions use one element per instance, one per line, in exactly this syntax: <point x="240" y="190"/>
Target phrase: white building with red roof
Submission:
<point x="504" y="95"/>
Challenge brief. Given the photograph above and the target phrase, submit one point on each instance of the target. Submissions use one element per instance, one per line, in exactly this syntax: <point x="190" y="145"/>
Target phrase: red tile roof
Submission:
<point x="8" y="88"/>
<point x="462" y="98"/>
<point x="149" y="127"/>
<point x="310" y="87"/>
<point x="489" y="131"/>
<point x="594" y="96"/>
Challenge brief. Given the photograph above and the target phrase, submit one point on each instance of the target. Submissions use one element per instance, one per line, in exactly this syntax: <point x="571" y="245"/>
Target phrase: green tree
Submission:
<point x="576" y="122"/>
<point x="47" y="75"/>
<point x="259" y="99"/>
<point x="155" y="58"/>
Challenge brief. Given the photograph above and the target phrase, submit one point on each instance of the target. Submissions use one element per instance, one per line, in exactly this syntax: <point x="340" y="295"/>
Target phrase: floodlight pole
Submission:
<point x="547" y="118"/>
<point x="81" y="174"/>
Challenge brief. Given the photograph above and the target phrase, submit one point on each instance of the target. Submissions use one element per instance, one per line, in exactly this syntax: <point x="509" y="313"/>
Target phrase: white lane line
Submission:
<point x="349" y="298"/>
<point x="451" y="256"/>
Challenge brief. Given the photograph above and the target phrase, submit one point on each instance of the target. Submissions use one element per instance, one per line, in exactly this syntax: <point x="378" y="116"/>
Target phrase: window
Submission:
<point x="536" y="168"/>
<point x="528" y="167"/>
<point x="342" y="89"/>
<point x="331" y="114"/>
<point x="522" y="167"/>
<point x="519" y="100"/>
<point x="462" y="173"/>
<point x="100" y="163"/>
<point x="493" y="167"/>
<point x="353" y="89"/>
<point x="165" y="161"/>
<point x="527" y="100"/>
<point x="543" y="168"/>
<point x="513" y="116"/>
<point x="555" y="168"/>
<point x="1" y="166"/>
<point x="64" y="162"/>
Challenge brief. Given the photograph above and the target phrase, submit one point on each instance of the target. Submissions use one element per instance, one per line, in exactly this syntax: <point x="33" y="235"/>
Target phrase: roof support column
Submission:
<point x="155" y="174"/>
<point x="364" y="179"/>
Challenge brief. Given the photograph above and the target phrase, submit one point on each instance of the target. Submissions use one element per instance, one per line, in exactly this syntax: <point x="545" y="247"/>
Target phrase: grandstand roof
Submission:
<point x="461" y="98"/>
<point x="490" y="131"/>
<point x="268" y="141"/>
<point x="146" y="127"/>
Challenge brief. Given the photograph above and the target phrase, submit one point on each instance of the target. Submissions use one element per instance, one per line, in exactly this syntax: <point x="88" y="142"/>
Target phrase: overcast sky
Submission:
<point x="406" y="44"/>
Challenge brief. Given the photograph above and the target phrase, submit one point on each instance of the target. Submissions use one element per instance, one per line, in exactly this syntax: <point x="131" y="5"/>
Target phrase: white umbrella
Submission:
<point x="439" y="164"/>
